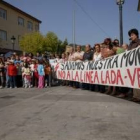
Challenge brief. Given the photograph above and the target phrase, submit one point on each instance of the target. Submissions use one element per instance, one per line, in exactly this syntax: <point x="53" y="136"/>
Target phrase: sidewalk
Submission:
<point x="64" y="113"/>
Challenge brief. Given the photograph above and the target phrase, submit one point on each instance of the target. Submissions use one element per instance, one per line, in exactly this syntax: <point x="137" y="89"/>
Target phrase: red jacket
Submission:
<point x="12" y="70"/>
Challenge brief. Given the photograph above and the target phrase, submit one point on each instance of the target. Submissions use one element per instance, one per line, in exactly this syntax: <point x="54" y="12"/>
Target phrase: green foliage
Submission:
<point x="51" y="42"/>
<point x="33" y="42"/>
<point x="62" y="46"/>
<point x="36" y="42"/>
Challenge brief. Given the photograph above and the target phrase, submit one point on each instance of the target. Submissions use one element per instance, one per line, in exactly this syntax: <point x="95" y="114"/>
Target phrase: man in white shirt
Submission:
<point x="78" y="56"/>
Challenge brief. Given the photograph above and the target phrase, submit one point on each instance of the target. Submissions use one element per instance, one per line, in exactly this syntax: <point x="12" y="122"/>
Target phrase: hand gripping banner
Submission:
<point x="120" y="70"/>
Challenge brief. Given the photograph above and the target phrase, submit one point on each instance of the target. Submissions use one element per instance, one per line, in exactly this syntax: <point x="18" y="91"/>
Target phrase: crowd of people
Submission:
<point x="35" y="71"/>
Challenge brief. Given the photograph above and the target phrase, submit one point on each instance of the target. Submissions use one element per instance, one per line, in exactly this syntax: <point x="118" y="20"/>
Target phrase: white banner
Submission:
<point x="120" y="70"/>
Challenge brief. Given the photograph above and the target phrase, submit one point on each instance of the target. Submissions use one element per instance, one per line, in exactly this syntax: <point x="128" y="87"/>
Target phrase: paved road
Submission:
<point x="63" y="113"/>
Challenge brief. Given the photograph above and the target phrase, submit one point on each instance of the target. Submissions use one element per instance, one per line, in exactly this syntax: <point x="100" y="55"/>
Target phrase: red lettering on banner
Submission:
<point x="63" y="74"/>
<point x="119" y="77"/>
<point x="132" y="79"/>
<point x="88" y="77"/>
<point x="96" y="77"/>
<point x="91" y="82"/>
<point x="68" y="76"/>
<point x="113" y="77"/>
<point x="81" y="80"/>
<point x="138" y="75"/>
<point x="76" y="76"/>
<point x="102" y="81"/>
<point x="60" y="74"/>
<point x="107" y="80"/>
<point x="72" y="76"/>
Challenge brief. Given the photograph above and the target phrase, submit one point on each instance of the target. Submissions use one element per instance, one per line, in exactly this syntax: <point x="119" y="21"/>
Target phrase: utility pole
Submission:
<point x="73" y="34"/>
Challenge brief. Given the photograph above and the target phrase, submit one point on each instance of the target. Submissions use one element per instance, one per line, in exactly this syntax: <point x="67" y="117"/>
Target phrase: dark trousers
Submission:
<point x="34" y="81"/>
<point x="85" y="86"/>
<point x="19" y="80"/>
<point x="2" y="81"/>
<point x="75" y="84"/>
<point x="71" y="83"/>
<point x="12" y="80"/>
<point x="47" y="79"/>
<point x="102" y="88"/>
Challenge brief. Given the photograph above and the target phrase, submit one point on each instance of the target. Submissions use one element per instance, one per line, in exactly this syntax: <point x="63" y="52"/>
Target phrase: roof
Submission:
<point x="20" y="11"/>
<point x="139" y="5"/>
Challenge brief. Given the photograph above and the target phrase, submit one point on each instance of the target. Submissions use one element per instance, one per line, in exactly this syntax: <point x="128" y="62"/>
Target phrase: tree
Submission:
<point x="63" y="45"/>
<point x="32" y="42"/>
<point x="51" y="42"/>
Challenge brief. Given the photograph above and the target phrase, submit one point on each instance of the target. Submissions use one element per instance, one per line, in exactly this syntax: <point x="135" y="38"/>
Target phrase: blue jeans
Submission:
<point x="12" y="80"/>
<point x="7" y="80"/>
<point x="47" y="80"/>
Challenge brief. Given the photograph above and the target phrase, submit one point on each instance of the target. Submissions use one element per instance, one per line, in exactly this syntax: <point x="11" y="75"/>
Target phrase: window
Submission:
<point x="30" y="26"/>
<point x="36" y="28"/>
<point x="20" y="21"/>
<point x="3" y="35"/>
<point x="3" y="13"/>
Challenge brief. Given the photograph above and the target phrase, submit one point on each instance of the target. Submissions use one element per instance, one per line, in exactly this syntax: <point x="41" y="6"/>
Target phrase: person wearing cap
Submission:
<point x="135" y="42"/>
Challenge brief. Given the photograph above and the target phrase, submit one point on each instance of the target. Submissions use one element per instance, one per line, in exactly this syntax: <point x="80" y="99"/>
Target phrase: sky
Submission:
<point x="57" y="16"/>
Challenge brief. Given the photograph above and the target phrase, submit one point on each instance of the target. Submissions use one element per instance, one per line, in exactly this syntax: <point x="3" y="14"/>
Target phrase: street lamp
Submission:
<point x="120" y="3"/>
<point x="13" y="41"/>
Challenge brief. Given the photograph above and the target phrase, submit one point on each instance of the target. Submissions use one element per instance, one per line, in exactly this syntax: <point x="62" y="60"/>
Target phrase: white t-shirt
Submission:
<point x="78" y="54"/>
<point x="97" y="56"/>
<point x="71" y="57"/>
<point x="32" y="67"/>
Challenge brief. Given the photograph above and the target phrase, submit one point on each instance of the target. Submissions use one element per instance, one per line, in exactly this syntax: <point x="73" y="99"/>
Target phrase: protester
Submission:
<point x="47" y="74"/>
<point x="7" y="84"/>
<point x="96" y="57"/>
<point x="12" y="73"/>
<point x="36" y="71"/>
<point x="1" y="73"/>
<point x="41" y="75"/>
<point x="71" y="58"/>
<point x="63" y="58"/>
<point x="78" y="56"/>
<point x="97" y="53"/>
<point x="125" y="47"/>
<point x="87" y="56"/>
<point x="19" y="74"/>
<point x="108" y="52"/>
<point x="135" y="42"/>
<point x="71" y="55"/>
<point x="27" y="76"/>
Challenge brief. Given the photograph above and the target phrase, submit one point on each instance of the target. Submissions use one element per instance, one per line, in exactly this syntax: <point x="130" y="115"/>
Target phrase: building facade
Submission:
<point x="14" y="22"/>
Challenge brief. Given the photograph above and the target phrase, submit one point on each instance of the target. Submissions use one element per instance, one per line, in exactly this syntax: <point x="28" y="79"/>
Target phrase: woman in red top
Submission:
<point x="12" y="73"/>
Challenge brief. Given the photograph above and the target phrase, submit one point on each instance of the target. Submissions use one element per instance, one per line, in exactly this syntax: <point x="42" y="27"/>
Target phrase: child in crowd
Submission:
<point x="27" y="76"/>
<point x="35" y="74"/>
<point x="47" y="74"/>
<point x="19" y="74"/>
<point x="12" y="73"/>
<point x="41" y="74"/>
<point x="32" y="67"/>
